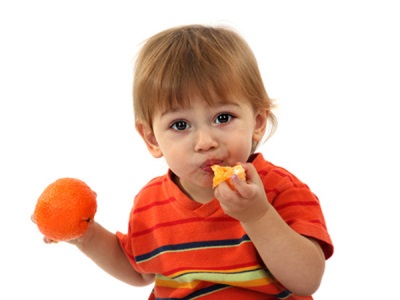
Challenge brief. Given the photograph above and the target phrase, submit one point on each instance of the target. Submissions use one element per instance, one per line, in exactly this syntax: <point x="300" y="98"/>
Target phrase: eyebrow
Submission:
<point x="214" y="105"/>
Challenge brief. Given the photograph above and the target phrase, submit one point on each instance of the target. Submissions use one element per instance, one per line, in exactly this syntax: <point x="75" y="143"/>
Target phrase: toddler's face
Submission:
<point x="194" y="138"/>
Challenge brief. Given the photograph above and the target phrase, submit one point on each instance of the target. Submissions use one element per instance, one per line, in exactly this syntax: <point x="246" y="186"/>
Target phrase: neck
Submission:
<point x="197" y="194"/>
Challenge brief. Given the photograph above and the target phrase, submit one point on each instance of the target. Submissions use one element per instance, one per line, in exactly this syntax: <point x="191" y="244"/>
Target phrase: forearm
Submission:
<point x="296" y="261"/>
<point x="103" y="248"/>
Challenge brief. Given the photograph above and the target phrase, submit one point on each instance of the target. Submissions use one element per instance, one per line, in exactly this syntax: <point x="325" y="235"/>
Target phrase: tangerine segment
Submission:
<point x="64" y="209"/>
<point x="222" y="174"/>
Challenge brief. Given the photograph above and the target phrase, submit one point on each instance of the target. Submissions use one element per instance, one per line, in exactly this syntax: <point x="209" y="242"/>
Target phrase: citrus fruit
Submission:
<point x="64" y="209"/>
<point x="222" y="174"/>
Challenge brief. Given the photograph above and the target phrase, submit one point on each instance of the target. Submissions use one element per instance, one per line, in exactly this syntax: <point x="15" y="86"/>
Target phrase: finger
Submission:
<point x="224" y="192"/>
<point x="236" y="182"/>
<point x="49" y="241"/>
<point x="250" y="170"/>
<point x="218" y="190"/>
<point x="241" y="187"/>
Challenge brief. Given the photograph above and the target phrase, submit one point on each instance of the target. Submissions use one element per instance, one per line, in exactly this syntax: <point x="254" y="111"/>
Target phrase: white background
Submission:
<point x="65" y="110"/>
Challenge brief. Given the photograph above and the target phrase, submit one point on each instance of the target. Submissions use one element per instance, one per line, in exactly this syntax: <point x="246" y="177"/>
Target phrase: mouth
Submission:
<point x="206" y="166"/>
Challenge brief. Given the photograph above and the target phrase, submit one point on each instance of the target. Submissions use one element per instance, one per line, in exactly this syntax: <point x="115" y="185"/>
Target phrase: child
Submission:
<point x="199" y="100"/>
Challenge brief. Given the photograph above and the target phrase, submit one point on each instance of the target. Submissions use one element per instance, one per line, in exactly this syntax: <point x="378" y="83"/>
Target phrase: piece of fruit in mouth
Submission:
<point x="224" y="173"/>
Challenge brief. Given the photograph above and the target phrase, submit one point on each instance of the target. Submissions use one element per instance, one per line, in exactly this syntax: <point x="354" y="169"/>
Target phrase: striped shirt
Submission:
<point x="199" y="252"/>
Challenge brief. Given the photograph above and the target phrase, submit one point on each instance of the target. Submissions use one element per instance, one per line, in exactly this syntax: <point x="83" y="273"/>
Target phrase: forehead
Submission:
<point x="209" y="99"/>
<point x="196" y="103"/>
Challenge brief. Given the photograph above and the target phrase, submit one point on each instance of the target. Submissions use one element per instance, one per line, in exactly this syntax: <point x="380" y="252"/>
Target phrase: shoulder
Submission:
<point x="281" y="186"/>
<point x="154" y="184"/>
<point x="273" y="175"/>
<point x="155" y="188"/>
<point x="298" y="206"/>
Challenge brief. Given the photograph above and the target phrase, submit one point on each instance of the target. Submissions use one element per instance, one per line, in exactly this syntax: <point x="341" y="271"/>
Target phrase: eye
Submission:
<point x="223" y="118"/>
<point x="180" y="125"/>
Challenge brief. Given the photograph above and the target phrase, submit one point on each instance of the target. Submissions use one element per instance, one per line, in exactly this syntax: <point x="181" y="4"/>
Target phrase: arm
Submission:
<point x="103" y="248"/>
<point x="295" y="261"/>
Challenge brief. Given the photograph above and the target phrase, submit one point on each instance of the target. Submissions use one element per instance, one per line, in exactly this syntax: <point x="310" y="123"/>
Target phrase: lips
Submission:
<point x="206" y="166"/>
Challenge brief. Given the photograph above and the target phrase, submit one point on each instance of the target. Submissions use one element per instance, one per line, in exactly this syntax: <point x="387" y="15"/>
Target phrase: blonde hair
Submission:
<point x="213" y="62"/>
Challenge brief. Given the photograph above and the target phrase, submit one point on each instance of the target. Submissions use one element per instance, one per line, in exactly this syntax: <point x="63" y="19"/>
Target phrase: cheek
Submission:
<point x="240" y="144"/>
<point x="173" y="152"/>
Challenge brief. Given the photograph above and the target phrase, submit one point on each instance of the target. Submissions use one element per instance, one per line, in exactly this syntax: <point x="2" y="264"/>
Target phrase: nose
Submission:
<point x="205" y="140"/>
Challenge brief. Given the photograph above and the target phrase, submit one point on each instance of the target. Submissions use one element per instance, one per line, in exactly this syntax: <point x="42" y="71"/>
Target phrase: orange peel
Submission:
<point x="64" y="209"/>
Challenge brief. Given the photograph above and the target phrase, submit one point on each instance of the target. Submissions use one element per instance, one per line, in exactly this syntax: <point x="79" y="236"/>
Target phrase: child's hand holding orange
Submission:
<point x="244" y="201"/>
<point x="65" y="209"/>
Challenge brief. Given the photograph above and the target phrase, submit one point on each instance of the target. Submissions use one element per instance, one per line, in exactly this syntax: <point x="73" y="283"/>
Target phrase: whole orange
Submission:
<point x="64" y="209"/>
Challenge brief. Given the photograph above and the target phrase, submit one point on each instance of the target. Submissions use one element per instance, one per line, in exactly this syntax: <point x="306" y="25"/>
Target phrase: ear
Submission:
<point x="150" y="139"/>
<point x="260" y="125"/>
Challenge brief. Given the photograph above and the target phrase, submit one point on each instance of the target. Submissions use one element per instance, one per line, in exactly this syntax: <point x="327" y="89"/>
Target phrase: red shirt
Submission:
<point x="199" y="252"/>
